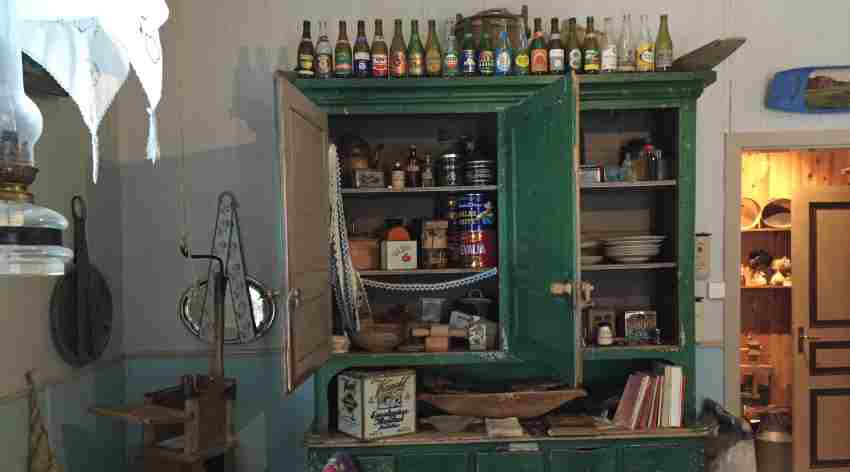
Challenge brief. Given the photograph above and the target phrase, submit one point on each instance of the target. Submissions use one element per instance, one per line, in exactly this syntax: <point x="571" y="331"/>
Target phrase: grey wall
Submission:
<point x="216" y="120"/>
<point x="62" y="155"/>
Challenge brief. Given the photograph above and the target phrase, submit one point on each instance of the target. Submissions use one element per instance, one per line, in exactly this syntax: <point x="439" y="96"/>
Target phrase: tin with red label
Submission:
<point x="479" y="249"/>
<point x="476" y="211"/>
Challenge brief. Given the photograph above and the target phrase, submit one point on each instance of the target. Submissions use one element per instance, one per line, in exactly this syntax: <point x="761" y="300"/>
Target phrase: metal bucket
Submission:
<point x="773" y="451"/>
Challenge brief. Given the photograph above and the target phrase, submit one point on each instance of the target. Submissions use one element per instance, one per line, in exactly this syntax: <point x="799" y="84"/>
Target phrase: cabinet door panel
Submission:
<point x="454" y="462"/>
<point x="667" y="458"/>
<point x="509" y="462"/>
<point x="539" y="137"/>
<point x="305" y="217"/>
<point x="602" y="459"/>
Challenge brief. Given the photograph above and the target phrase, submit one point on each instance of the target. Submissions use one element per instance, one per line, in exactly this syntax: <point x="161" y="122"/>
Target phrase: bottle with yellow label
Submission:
<point x="645" y="51"/>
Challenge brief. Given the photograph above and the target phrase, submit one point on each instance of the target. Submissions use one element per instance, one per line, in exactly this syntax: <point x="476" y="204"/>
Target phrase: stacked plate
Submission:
<point x="590" y="252"/>
<point x="633" y="249"/>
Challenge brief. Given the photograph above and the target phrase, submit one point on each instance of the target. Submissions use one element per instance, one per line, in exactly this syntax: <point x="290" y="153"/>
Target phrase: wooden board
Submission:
<point x="779" y="173"/>
<point x="144" y="414"/>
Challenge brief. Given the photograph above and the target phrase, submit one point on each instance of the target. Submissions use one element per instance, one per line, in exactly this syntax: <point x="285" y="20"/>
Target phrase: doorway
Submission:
<point x="767" y="175"/>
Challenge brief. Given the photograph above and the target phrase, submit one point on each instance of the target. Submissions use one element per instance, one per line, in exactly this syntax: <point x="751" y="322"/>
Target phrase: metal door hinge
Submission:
<point x="802" y="338"/>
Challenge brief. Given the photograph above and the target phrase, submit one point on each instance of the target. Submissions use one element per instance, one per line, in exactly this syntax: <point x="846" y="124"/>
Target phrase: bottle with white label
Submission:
<point x="556" y="49"/>
<point x="663" y="47"/>
<point x="609" y="47"/>
<point x="645" y="51"/>
<point x="625" y="46"/>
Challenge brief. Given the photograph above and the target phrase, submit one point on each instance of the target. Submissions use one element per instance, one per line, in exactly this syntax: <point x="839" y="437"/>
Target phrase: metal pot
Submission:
<point x="475" y="303"/>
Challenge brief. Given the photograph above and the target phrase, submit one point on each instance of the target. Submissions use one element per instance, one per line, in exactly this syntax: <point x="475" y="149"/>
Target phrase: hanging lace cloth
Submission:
<point x="88" y="46"/>
<point x="41" y="456"/>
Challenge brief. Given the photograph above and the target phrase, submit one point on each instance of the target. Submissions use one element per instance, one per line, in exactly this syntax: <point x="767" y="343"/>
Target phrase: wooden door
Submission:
<point x="305" y="217"/>
<point x="539" y="136"/>
<point x="820" y="254"/>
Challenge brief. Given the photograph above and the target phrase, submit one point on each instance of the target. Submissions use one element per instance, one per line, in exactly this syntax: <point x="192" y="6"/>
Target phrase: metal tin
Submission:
<point x="476" y="211"/>
<point x="479" y="249"/>
<point x="480" y="172"/>
<point x="377" y="404"/>
<point x="641" y="327"/>
<point x="589" y="174"/>
<point x="368" y="178"/>
<point x="450" y="170"/>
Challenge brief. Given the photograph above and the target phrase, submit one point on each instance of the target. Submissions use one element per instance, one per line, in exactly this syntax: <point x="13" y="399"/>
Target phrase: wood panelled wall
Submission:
<point x="766" y="313"/>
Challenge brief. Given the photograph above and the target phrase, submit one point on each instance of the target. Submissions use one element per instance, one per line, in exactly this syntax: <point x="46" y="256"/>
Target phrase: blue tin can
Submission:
<point x="476" y="212"/>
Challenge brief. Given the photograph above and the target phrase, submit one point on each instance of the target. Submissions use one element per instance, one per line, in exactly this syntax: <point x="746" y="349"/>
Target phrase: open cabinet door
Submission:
<point x="540" y="136"/>
<point x="305" y="218"/>
<point x="820" y="252"/>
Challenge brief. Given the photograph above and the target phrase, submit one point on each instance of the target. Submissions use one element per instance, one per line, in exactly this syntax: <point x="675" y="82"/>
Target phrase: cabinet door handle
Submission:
<point x="561" y="289"/>
<point x="802" y="338"/>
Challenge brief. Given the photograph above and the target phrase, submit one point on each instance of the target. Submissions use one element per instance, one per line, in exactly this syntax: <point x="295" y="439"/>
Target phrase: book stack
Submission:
<point x="652" y="399"/>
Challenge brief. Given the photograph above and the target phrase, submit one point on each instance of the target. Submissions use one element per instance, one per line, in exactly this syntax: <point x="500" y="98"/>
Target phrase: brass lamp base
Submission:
<point x="14" y="182"/>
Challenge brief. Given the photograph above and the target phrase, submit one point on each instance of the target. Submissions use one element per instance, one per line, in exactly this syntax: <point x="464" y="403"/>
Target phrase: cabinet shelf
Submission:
<point x="355" y="359"/>
<point x="765" y="287"/>
<point x="767" y="230"/>
<point x="421" y="272"/>
<point x="665" y="352"/>
<point x="644" y="185"/>
<point x="419" y="190"/>
<point x="641" y="266"/>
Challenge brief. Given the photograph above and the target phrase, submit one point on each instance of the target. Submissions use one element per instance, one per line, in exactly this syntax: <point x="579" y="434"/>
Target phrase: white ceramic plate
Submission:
<point x="591" y="244"/>
<point x="634" y="240"/>
<point x="590" y="260"/>
<point x="634" y="252"/>
<point x="632" y="259"/>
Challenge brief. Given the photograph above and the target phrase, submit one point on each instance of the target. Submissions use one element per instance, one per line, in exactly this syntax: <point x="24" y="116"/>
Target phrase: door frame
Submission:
<point x="735" y="144"/>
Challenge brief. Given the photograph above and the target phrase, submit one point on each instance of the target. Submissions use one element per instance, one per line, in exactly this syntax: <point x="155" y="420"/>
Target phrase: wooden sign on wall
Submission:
<point x="811" y="90"/>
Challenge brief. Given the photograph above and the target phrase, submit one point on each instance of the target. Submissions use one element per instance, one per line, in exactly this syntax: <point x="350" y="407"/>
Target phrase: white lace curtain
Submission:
<point x="88" y="46"/>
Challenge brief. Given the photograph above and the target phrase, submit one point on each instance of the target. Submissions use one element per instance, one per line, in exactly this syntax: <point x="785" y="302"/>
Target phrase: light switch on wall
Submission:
<point x="716" y="290"/>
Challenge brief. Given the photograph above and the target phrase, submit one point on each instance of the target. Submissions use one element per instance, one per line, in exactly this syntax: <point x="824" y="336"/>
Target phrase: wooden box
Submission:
<point x="377" y="404"/>
<point x="365" y="254"/>
<point x="398" y="255"/>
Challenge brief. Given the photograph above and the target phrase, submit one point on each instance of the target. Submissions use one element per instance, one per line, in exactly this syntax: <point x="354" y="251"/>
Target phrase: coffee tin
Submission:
<point x="479" y="249"/>
<point x="476" y="211"/>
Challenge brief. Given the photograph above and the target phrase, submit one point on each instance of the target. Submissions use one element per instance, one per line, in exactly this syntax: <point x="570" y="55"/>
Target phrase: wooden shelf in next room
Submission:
<point x="766" y="287"/>
<point x="639" y="266"/>
<point x="646" y="184"/>
<point x="767" y="230"/>
<point x="419" y="190"/>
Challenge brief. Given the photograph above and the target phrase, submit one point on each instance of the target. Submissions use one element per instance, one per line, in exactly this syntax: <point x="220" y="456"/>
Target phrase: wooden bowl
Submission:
<point x="530" y="404"/>
<point x="750" y="211"/>
<point x="777" y="213"/>
<point x="378" y="337"/>
<point x="450" y="423"/>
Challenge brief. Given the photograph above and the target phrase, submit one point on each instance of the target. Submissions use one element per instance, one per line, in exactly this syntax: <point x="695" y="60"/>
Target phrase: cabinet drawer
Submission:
<point x="374" y="463"/>
<point x="662" y="458"/>
<point x="601" y="459"/>
<point x="455" y="462"/>
<point x="509" y="462"/>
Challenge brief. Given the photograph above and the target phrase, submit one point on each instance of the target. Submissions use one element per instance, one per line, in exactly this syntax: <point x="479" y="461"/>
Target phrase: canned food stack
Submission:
<point x="477" y="229"/>
<point x="480" y="172"/>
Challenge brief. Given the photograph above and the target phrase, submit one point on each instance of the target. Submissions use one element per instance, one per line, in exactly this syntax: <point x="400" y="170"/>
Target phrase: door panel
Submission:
<point x="672" y="458"/>
<point x="451" y="462"/>
<point x="821" y="317"/>
<point x="509" y="462"/>
<point x="540" y="135"/>
<point x="602" y="459"/>
<point x="303" y="145"/>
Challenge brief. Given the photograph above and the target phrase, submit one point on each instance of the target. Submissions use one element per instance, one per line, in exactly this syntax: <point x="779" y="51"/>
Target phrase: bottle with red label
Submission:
<point x="539" y="53"/>
<point x="415" y="52"/>
<point x="398" y="54"/>
<point x="451" y="60"/>
<point x="380" y="56"/>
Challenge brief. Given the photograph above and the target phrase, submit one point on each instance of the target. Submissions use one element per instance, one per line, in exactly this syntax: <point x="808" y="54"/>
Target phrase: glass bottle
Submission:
<point x="503" y="55"/>
<point x="397" y="176"/>
<point x="415" y="52"/>
<point x="468" y="56"/>
<point x="427" y="171"/>
<point x="412" y="171"/>
<point x="306" y="54"/>
<point x="379" y="52"/>
<point x="663" y="47"/>
<point x="556" y="49"/>
<point x="342" y="54"/>
<point x="539" y="53"/>
<point x="398" y="53"/>
<point x="324" y="53"/>
<point x="592" y="54"/>
<point x="451" y="61"/>
<point x="362" y="57"/>
<point x="626" y="46"/>
<point x="521" y="57"/>
<point x="486" y="55"/>
<point x="433" y="52"/>
<point x="609" y="47"/>
<point x="573" y="49"/>
<point x="645" y="51"/>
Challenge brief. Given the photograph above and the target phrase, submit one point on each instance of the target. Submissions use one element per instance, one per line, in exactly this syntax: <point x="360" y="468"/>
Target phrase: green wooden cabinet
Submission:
<point x="541" y="127"/>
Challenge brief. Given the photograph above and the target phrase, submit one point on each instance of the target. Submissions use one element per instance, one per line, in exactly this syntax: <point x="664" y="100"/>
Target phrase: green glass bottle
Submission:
<point x="573" y="49"/>
<point x="468" y="56"/>
<point x="306" y="55"/>
<point x="539" y="53"/>
<point x="521" y="57"/>
<point x="592" y="53"/>
<point x="362" y="57"/>
<point x="380" y="54"/>
<point x="486" y="54"/>
<point x="398" y="54"/>
<point x="556" y="49"/>
<point x="342" y="54"/>
<point x="415" y="52"/>
<point x="433" y="52"/>
<point x="451" y="60"/>
<point x="663" y="47"/>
